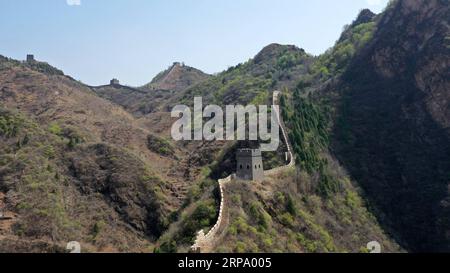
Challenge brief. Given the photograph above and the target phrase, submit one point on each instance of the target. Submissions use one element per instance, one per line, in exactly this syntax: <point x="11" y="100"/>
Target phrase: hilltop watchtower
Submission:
<point x="30" y="58"/>
<point x="114" y="82"/>
<point x="249" y="165"/>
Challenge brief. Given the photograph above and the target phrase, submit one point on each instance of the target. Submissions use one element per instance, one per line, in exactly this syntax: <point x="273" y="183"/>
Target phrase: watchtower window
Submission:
<point x="240" y="166"/>
<point x="248" y="167"/>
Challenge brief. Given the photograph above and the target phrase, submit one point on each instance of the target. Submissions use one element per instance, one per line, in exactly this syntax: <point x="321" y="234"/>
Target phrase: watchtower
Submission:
<point x="30" y="58"/>
<point x="114" y="82"/>
<point x="249" y="165"/>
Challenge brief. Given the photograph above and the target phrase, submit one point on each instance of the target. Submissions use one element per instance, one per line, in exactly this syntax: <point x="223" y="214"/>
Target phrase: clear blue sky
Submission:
<point x="133" y="40"/>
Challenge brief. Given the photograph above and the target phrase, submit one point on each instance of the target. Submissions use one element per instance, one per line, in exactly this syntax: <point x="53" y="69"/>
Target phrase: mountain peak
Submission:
<point x="273" y="51"/>
<point x="365" y="16"/>
<point x="177" y="77"/>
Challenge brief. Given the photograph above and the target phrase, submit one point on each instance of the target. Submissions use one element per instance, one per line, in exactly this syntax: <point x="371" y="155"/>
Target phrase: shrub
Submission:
<point x="240" y="247"/>
<point x="204" y="216"/>
<point x="290" y="205"/>
<point x="55" y="129"/>
<point x="166" y="247"/>
<point x="73" y="136"/>
<point x="97" y="228"/>
<point x="328" y="184"/>
<point x="287" y="220"/>
<point x="261" y="217"/>
<point x="9" y="125"/>
<point x="160" y="146"/>
<point x="49" y="152"/>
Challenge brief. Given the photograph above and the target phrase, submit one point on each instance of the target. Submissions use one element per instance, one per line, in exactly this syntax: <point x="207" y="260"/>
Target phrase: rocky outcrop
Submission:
<point x="365" y="16"/>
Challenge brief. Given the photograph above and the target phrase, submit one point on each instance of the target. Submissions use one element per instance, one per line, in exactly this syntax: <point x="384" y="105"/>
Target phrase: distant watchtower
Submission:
<point x="30" y="58"/>
<point x="249" y="165"/>
<point x="114" y="82"/>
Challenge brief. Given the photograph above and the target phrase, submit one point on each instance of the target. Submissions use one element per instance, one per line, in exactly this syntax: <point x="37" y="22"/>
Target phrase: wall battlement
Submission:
<point x="248" y="153"/>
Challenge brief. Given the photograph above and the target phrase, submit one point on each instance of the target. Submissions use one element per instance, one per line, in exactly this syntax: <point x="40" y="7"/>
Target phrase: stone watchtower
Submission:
<point x="114" y="82"/>
<point x="30" y="58"/>
<point x="249" y="165"/>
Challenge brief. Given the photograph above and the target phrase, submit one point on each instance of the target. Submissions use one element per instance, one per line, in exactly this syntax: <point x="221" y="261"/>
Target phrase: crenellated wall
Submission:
<point x="205" y="243"/>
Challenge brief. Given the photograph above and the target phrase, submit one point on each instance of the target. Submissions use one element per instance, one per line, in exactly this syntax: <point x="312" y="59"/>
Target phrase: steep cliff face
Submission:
<point x="393" y="130"/>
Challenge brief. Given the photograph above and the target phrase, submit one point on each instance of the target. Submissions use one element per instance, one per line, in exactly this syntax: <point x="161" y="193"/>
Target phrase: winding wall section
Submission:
<point x="205" y="242"/>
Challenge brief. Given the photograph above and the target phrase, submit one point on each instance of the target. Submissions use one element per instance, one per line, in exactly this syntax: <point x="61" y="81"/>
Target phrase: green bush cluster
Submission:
<point x="260" y="216"/>
<point x="289" y="59"/>
<point x="309" y="132"/>
<point x="204" y="216"/>
<point x="55" y="129"/>
<point x="169" y="246"/>
<point x="310" y="138"/>
<point x="160" y="146"/>
<point x="9" y="125"/>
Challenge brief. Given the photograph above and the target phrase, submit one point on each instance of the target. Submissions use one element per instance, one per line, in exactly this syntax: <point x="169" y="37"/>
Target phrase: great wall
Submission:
<point x="206" y="243"/>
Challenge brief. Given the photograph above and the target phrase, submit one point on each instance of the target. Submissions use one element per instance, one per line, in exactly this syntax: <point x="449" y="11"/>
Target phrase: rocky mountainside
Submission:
<point x="392" y="128"/>
<point x="136" y="101"/>
<point x="378" y="101"/>
<point x="74" y="166"/>
<point x="371" y="111"/>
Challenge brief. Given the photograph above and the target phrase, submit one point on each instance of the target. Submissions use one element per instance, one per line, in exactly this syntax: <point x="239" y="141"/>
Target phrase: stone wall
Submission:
<point x="291" y="164"/>
<point x="205" y="243"/>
